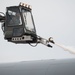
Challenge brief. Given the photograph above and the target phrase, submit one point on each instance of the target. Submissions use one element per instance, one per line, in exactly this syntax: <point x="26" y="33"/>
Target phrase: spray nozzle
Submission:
<point x="51" y="40"/>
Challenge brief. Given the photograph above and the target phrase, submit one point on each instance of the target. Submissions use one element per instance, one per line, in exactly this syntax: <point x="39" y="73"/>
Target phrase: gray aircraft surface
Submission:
<point x="40" y="67"/>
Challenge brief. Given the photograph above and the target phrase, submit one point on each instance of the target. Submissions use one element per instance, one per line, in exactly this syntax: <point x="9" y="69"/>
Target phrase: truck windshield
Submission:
<point x="29" y="24"/>
<point x="14" y="17"/>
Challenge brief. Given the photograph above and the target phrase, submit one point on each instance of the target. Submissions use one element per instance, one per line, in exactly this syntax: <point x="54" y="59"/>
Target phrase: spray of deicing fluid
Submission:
<point x="67" y="48"/>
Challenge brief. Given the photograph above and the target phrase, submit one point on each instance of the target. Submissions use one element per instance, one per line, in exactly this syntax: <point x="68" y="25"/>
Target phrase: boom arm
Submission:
<point x="2" y="17"/>
<point x="45" y="41"/>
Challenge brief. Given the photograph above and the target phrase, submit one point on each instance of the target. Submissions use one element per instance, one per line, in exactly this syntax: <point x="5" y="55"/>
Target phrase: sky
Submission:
<point x="53" y="18"/>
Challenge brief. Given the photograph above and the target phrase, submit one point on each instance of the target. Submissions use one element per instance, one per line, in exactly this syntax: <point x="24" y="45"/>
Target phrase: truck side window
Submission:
<point x="28" y="20"/>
